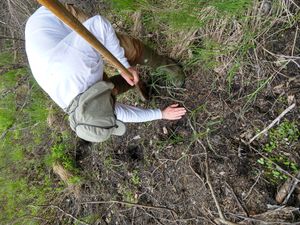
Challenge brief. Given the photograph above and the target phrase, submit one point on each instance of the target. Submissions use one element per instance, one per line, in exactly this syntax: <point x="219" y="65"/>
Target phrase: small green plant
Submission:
<point x="182" y="14"/>
<point x="59" y="154"/>
<point x="75" y="180"/>
<point x="159" y="77"/>
<point x="128" y="194"/>
<point x="135" y="179"/>
<point x="124" y="5"/>
<point x="285" y="135"/>
<point x="5" y="58"/>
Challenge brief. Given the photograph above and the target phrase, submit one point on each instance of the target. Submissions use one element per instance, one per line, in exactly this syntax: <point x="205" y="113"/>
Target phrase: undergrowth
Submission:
<point x="26" y="181"/>
<point x="226" y="36"/>
<point x="281" y="138"/>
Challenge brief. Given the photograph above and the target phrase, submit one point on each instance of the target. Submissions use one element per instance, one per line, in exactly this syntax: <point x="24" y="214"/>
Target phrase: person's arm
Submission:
<point x="112" y="43"/>
<point x="133" y="114"/>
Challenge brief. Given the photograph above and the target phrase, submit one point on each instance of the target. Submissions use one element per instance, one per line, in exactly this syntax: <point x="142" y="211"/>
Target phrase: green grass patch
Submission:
<point x="5" y="58"/>
<point x="180" y="14"/>
<point x="25" y="181"/>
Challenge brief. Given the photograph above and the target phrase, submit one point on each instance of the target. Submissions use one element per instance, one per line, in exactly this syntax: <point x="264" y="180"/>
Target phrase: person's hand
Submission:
<point x="173" y="112"/>
<point x="131" y="80"/>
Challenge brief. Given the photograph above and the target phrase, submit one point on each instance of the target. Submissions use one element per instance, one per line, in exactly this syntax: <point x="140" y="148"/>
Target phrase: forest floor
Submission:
<point x="226" y="160"/>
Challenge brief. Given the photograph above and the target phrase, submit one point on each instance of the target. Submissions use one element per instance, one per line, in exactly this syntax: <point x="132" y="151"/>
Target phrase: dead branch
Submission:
<point x="261" y="221"/>
<point x="257" y="179"/>
<point x="65" y="213"/>
<point x="294" y="42"/>
<point x="291" y="190"/>
<point x="130" y="204"/>
<point x="237" y="200"/>
<point x="279" y="55"/>
<point x="221" y="215"/>
<point x="273" y="123"/>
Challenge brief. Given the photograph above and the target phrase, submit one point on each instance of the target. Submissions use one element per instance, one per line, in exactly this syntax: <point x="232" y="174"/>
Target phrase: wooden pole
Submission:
<point x="58" y="9"/>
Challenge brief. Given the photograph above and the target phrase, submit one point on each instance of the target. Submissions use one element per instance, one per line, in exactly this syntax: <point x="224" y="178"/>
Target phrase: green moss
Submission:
<point x="24" y="177"/>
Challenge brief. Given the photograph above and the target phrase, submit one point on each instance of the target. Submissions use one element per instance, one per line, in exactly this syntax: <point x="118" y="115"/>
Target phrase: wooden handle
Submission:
<point x="65" y="16"/>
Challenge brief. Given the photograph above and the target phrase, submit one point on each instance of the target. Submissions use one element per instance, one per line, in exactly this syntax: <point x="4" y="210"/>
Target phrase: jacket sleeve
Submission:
<point x="112" y="43"/>
<point x="133" y="114"/>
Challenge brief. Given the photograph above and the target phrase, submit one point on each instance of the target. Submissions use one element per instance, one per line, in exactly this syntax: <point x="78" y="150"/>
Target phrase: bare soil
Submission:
<point x="169" y="158"/>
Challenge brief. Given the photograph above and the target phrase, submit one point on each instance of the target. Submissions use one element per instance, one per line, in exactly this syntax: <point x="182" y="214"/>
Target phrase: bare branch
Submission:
<point x="65" y="213"/>
<point x="273" y="123"/>
<point x="130" y="204"/>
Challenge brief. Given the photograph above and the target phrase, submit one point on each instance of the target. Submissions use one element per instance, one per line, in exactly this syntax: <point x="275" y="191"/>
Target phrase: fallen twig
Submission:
<point x="212" y="190"/>
<point x="131" y="204"/>
<point x="280" y="56"/>
<point x="257" y="179"/>
<point x="273" y="123"/>
<point x="237" y="200"/>
<point x="260" y="221"/>
<point x="295" y="183"/>
<point x="221" y="215"/>
<point x="67" y="214"/>
<point x="294" y="42"/>
<point x="196" y="174"/>
<point x="157" y="220"/>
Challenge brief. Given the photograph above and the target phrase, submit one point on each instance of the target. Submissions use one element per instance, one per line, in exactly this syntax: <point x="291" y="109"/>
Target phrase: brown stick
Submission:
<point x="130" y="204"/>
<point x="273" y="122"/>
<point x="65" y="213"/>
<point x="65" y="16"/>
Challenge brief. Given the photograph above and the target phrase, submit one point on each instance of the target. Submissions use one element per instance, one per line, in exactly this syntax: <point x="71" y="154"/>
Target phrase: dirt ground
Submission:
<point x="157" y="173"/>
<point x="197" y="169"/>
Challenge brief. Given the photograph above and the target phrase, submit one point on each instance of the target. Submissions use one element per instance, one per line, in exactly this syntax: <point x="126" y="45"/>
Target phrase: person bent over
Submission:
<point x="71" y="72"/>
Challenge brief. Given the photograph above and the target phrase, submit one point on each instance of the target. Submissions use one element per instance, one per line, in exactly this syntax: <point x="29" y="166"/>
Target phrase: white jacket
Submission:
<point x="65" y="65"/>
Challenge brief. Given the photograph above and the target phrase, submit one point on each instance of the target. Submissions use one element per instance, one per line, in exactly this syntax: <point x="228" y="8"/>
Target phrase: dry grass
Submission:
<point x="66" y="176"/>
